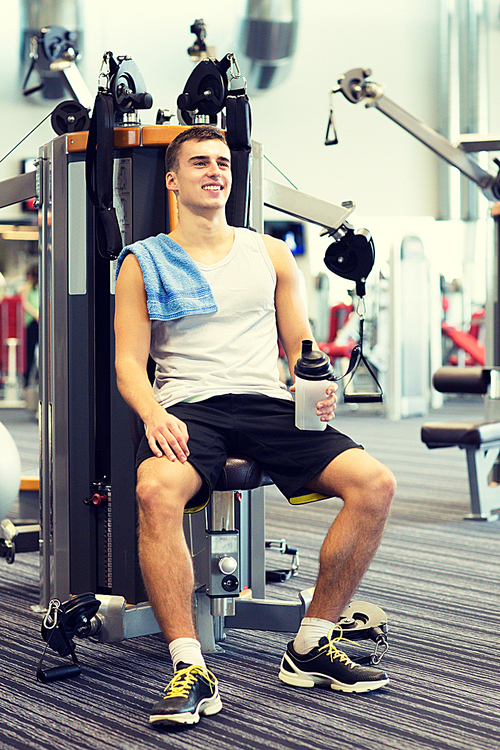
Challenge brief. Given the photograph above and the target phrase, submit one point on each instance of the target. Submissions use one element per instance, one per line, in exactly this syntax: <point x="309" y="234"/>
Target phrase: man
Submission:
<point x="217" y="391"/>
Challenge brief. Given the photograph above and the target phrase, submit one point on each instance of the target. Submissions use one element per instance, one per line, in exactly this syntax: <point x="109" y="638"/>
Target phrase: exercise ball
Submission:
<point x="10" y="471"/>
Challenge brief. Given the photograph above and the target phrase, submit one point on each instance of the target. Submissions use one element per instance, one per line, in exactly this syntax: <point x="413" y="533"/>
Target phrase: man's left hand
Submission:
<point x="326" y="408"/>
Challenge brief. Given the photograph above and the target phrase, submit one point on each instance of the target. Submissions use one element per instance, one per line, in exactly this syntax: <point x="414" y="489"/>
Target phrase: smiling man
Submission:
<point x="208" y="303"/>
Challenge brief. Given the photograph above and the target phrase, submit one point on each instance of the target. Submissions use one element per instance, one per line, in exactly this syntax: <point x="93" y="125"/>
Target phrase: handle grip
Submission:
<point x="363" y="398"/>
<point x="58" y="673"/>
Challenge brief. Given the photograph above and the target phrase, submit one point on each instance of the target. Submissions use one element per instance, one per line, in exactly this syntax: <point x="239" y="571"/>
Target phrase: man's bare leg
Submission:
<point x="367" y="488"/>
<point x="163" y="489"/>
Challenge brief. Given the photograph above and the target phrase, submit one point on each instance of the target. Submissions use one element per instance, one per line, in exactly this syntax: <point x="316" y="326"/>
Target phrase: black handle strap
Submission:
<point x="99" y="175"/>
<point x="238" y="129"/>
<point x="353" y="364"/>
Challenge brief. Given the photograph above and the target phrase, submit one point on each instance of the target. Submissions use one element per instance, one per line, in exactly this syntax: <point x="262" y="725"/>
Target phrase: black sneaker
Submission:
<point x="327" y="665"/>
<point x="191" y="693"/>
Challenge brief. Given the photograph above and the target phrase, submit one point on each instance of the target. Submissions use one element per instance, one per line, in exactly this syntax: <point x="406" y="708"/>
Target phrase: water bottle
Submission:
<point x="312" y="372"/>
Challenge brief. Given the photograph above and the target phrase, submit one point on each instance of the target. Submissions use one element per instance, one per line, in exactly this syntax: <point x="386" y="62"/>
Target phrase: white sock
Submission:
<point x="310" y="631"/>
<point x="187" y="650"/>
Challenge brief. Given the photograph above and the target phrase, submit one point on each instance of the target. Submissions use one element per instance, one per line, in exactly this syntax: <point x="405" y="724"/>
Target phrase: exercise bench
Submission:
<point x="480" y="440"/>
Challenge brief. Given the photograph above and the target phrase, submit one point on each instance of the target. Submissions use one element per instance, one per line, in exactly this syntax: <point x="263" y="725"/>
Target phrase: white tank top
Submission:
<point x="233" y="350"/>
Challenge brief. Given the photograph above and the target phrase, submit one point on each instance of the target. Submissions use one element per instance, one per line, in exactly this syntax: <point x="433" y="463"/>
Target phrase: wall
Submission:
<point x="384" y="170"/>
<point x="378" y="165"/>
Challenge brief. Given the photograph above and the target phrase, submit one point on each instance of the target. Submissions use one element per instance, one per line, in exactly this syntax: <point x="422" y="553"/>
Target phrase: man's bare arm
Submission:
<point x="291" y="314"/>
<point x="166" y="434"/>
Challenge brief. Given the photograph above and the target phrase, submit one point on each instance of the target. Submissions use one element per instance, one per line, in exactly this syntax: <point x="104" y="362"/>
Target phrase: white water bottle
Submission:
<point x="312" y="372"/>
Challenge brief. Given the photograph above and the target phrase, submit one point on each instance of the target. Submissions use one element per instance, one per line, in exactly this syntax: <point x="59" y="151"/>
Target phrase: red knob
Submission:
<point x="99" y="498"/>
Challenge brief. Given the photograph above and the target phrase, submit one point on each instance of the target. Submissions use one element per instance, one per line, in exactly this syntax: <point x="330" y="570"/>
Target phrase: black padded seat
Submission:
<point x="241" y="473"/>
<point x="448" y="434"/>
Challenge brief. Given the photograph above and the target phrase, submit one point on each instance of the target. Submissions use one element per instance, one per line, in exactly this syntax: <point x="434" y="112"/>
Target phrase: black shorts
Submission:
<point x="257" y="427"/>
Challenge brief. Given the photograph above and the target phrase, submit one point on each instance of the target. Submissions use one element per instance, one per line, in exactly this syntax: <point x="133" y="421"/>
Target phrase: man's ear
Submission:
<point x="171" y="181"/>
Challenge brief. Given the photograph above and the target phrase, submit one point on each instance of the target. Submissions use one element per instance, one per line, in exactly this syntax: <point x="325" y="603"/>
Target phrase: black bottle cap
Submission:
<point x="313" y="364"/>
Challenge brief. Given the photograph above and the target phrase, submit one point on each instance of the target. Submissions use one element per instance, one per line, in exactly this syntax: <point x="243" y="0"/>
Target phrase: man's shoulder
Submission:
<point x="275" y="247"/>
<point x="156" y="241"/>
<point x="252" y="235"/>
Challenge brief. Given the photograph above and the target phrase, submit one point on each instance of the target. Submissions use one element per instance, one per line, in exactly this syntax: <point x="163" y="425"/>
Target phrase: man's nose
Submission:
<point x="214" y="168"/>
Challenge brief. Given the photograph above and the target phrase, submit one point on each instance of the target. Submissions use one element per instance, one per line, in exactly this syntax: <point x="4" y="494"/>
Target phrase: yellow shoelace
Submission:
<point x="331" y="650"/>
<point x="182" y="682"/>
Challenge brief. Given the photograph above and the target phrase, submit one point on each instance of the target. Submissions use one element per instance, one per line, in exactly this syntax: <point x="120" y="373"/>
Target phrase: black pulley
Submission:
<point x="205" y="91"/>
<point x="69" y="619"/>
<point x="52" y="44"/>
<point x="70" y="117"/>
<point x="128" y="88"/>
<point x="352" y="257"/>
<point x="56" y="42"/>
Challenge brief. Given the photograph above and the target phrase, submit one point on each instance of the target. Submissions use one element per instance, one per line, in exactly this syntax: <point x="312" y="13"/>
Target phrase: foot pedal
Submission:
<point x="362" y="620"/>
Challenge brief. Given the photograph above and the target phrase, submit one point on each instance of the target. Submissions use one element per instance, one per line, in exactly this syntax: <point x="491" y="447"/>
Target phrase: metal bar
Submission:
<point x="17" y="189"/>
<point x="257" y="188"/>
<point x="45" y="420"/>
<point x="437" y="143"/>
<point x="267" y="614"/>
<point x="484" y="498"/>
<point x="444" y="97"/>
<point x="257" y="541"/>
<point x="77" y="86"/>
<point x="306" y="207"/>
<point x="473" y="142"/>
<point x="54" y="375"/>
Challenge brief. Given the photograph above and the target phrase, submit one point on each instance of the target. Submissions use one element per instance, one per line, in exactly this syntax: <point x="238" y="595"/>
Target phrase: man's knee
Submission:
<point x="164" y="489"/>
<point x="382" y="488"/>
<point x="373" y="494"/>
<point x="360" y="480"/>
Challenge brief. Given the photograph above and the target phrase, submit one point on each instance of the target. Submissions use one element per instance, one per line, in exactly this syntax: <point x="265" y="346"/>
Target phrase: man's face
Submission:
<point x="203" y="178"/>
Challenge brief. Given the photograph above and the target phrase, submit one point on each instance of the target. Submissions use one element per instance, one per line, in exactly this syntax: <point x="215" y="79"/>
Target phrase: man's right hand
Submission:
<point x="167" y="436"/>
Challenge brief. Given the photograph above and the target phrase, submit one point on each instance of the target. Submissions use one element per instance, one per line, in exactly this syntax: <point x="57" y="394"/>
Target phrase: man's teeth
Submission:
<point x="211" y="187"/>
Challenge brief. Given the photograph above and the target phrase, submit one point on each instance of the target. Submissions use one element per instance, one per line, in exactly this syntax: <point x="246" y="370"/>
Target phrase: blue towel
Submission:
<point x="174" y="284"/>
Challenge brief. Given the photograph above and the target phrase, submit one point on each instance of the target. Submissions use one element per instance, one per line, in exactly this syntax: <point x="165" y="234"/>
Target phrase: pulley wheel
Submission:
<point x="70" y="117"/>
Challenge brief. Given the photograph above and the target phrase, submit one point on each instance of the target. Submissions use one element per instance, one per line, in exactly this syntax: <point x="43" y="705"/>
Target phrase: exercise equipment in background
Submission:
<point x="480" y="440"/>
<point x="10" y="481"/>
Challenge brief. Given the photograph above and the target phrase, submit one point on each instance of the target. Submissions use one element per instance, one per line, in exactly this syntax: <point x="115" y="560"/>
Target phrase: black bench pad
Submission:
<point x="447" y="434"/>
<point x="241" y="473"/>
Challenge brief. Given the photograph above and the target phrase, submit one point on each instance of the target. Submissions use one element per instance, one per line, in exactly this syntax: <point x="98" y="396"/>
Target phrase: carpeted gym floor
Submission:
<point x="435" y="575"/>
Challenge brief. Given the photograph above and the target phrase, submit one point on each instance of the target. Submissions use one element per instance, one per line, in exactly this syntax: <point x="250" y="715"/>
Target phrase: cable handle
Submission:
<point x="357" y="356"/>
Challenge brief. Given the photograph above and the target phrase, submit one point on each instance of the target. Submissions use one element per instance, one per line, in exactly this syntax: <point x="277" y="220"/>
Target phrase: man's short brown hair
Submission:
<point x="194" y="133"/>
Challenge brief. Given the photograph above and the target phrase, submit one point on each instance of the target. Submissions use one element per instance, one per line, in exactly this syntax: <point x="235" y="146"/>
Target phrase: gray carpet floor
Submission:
<point x="435" y="575"/>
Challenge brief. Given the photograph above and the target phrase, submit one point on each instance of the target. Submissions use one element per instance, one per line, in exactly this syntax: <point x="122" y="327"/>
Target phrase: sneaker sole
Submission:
<point x="297" y="678"/>
<point x="205" y="708"/>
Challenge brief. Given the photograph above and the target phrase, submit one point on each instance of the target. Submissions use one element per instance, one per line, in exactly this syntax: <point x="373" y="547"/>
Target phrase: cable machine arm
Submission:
<point x="355" y="87"/>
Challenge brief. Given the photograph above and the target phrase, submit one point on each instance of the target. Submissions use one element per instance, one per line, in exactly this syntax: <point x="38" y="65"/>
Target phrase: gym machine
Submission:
<point x="356" y="86"/>
<point x="53" y="55"/>
<point x="480" y="440"/>
<point x="87" y="483"/>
